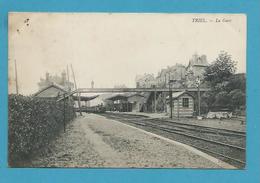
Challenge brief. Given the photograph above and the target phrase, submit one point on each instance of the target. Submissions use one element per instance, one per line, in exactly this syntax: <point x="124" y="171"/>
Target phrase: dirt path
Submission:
<point x="94" y="141"/>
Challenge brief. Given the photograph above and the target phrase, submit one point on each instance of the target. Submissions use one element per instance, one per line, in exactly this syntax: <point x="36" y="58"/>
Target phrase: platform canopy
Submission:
<point x="85" y="98"/>
<point x="118" y="97"/>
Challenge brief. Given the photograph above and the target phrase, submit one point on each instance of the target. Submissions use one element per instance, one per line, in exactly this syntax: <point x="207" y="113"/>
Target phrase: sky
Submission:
<point x="112" y="48"/>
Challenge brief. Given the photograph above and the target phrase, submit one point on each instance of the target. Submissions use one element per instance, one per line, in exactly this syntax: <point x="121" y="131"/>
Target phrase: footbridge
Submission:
<point x="122" y="90"/>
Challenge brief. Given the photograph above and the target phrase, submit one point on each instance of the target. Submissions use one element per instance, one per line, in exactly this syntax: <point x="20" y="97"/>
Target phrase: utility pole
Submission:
<point x="16" y="77"/>
<point x="178" y="108"/>
<point x="92" y="84"/>
<point x="76" y="90"/>
<point x="64" y="113"/>
<point x="68" y="74"/>
<point x="68" y="79"/>
<point x="198" y="85"/>
<point x="155" y="99"/>
<point x="170" y="95"/>
<point x="164" y="94"/>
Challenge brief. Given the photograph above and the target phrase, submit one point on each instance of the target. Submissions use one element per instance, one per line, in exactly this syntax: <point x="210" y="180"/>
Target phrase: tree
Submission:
<point x="222" y="100"/>
<point x="208" y="98"/>
<point x="227" y="88"/>
<point x="237" y="81"/>
<point x="220" y="70"/>
<point x="237" y="98"/>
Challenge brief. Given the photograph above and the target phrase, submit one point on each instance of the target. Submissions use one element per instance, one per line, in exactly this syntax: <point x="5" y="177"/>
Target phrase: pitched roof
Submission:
<point x="50" y="86"/>
<point x="178" y="94"/>
<point x="135" y="94"/>
<point x="119" y="96"/>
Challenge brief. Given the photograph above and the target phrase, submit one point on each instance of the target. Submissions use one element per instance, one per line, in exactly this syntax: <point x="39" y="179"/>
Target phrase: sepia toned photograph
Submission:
<point x="127" y="90"/>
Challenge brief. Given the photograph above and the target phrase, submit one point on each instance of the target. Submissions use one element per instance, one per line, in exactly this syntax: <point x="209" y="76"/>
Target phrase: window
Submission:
<point x="185" y="102"/>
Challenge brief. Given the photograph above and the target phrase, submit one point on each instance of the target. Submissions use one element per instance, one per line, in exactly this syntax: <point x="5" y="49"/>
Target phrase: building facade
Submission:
<point x="195" y="69"/>
<point x="176" y="73"/>
<point x="145" y="81"/>
<point x="180" y="76"/>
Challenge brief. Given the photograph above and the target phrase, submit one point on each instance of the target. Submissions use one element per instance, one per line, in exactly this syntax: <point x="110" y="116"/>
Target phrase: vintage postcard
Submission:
<point x="127" y="90"/>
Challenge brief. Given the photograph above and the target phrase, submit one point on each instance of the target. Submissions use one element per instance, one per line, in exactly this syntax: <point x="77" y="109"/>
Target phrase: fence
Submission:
<point x="33" y="123"/>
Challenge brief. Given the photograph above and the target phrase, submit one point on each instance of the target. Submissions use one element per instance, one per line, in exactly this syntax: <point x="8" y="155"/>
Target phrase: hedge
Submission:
<point x="33" y="123"/>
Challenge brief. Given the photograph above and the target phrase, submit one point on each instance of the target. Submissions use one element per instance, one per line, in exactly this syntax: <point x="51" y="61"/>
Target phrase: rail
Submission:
<point x="178" y="132"/>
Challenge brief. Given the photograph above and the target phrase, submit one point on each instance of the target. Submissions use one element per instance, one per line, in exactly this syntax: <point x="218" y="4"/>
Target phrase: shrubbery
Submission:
<point x="33" y="123"/>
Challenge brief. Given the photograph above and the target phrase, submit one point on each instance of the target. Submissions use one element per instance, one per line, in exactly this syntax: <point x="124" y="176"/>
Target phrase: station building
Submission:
<point x="50" y="92"/>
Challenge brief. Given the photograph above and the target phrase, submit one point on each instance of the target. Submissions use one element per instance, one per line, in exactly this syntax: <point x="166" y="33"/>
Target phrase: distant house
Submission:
<point x="145" y="81"/>
<point x="176" y="72"/>
<point x="51" y="91"/>
<point x="182" y="104"/>
<point x="55" y="91"/>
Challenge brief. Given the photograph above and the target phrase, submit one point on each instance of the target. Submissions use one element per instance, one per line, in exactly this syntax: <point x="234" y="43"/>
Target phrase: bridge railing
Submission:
<point x="121" y="90"/>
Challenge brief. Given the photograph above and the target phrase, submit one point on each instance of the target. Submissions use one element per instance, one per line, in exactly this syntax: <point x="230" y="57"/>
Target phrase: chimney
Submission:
<point x="63" y="77"/>
<point x="47" y="76"/>
<point x="204" y="59"/>
<point x="92" y="84"/>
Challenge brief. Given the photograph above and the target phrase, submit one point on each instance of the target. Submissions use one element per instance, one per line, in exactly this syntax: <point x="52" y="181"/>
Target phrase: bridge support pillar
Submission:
<point x="155" y="102"/>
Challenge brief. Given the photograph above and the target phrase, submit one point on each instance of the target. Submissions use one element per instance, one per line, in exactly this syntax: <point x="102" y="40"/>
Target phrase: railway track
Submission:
<point x="207" y="129"/>
<point x="227" y="145"/>
<point x="215" y="130"/>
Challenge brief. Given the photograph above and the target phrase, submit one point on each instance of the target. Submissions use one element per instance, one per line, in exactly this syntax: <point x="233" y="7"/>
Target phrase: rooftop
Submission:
<point x="178" y="94"/>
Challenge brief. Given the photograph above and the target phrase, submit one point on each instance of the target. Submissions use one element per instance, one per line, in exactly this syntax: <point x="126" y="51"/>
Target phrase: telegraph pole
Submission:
<point x="76" y="90"/>
<point x="68" y="75"/>
<point x="170" y="99"/>
<point x="92" y="84"/>
<point x="199" y="99"/>
<point x="155" y="99"/>
<point x="16" y="77"/>
<point x="170" y="95"/>
<point x="198" y="85"/>
<point x="164" y="94"/>
<point x="64" y="112"/>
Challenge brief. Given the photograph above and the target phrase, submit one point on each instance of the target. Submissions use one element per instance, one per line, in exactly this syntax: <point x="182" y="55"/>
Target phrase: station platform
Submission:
<point x="94" y="141"/>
